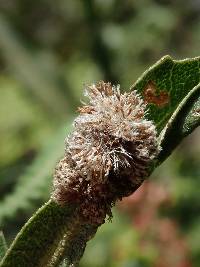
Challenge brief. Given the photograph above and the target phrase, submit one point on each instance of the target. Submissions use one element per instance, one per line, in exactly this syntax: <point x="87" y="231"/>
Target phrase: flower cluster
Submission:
<point x="107" y="155"/>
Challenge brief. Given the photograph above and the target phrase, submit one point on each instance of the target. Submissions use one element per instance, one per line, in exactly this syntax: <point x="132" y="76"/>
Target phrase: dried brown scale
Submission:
<point x="108" y="154"/>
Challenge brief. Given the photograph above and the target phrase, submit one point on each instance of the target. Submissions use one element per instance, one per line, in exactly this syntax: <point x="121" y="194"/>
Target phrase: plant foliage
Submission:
<point x="171" y="89"/>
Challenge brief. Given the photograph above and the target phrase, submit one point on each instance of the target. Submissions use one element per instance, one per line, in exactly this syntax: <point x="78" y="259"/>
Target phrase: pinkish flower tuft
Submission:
<point x="108" y="154"/>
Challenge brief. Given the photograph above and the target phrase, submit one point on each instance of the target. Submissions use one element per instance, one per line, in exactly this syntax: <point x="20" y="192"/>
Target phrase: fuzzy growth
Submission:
<point x="108" y="154"/>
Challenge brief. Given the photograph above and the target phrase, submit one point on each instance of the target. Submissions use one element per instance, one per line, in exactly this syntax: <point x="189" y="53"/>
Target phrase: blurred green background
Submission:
<point x="48" y="51"/>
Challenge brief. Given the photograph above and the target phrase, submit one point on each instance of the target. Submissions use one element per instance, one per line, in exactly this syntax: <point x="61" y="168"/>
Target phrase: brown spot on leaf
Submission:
<point x="152" y="96"/>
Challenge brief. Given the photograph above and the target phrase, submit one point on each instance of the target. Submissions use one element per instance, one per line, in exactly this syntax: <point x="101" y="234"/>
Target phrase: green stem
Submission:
<point x="72" y="246"/>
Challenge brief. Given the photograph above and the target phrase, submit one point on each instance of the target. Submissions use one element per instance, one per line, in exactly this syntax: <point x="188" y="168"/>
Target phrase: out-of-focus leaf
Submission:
<point x="34" y="185"/>
<point x="3" y="246"/>
<point x="25" y="68"/>
<point x="164" y="86"/>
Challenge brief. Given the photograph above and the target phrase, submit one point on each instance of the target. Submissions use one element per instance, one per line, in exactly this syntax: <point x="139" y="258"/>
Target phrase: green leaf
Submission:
<point x="185" y="119"/>
<point x="38" y="239"/>
<point x="165" y="85"/>
<point x="192" y="113"/>
<point x="3" y="246"/>
<point x="170" y="89"/>
<point x="52" y="234"/>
